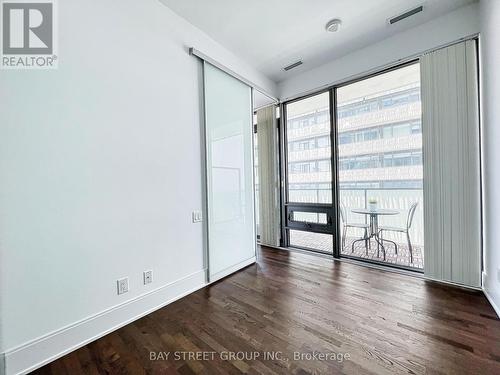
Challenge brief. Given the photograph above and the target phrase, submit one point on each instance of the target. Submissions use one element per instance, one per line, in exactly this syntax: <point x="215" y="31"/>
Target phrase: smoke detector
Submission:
<point x="333" y="25"/>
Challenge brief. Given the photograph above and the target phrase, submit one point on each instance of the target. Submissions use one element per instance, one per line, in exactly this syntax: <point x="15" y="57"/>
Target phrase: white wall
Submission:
<point x="490" y="63"/>
<point x="100" y="168"/>
<point x="460" y="23"/>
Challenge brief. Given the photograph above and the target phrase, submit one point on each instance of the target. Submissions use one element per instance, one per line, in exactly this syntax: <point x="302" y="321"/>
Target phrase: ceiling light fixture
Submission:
<point x="333" y="25"/>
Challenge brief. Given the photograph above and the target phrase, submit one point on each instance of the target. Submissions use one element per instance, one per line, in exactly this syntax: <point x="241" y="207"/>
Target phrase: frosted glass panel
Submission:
<point x="228" y="126"/>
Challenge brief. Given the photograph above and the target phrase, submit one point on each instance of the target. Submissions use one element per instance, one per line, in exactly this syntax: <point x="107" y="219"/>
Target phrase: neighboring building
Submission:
<point x="379" y="141"/>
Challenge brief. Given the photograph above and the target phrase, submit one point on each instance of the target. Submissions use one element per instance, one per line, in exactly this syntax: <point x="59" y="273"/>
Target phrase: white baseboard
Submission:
<point x="38" y="352"/>
<point x="232" y="269"/>
<point x="492" y="302"/>
<point x="452" y="283"/>
<point x="490" y="293"/>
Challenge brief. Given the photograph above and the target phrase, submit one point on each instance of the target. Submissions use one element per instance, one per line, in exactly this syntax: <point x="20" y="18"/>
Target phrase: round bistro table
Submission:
<point x="374" y="214"/>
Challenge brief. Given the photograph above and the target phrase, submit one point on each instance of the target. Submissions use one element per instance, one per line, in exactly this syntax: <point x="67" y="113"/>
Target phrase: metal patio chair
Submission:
<point x="406" y="230"/>
<point x="346" y="225"/>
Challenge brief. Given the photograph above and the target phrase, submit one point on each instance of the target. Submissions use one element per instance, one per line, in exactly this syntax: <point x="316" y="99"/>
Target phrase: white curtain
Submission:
<point x="268" y="177"/>
<point x="450" y="123"/>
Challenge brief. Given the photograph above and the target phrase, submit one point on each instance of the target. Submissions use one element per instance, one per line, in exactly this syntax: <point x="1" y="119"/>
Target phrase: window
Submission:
<point x="378" y="136"/>
<point x="379" y="132"/>
<point x="416" y="128"/>
<point x="305" y="184"/>
<point x="385" y="160"/>
<point x="324" y="166"/>
<point x="323" y="142"/>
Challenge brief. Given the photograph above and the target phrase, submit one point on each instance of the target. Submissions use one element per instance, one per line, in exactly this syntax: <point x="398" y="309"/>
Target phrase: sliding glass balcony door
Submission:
<point x="354" y="170"/>
<point x="380" y="162"/>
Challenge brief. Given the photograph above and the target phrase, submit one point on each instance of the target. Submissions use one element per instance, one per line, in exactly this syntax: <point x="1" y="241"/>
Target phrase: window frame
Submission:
<point x="334" y="144"/>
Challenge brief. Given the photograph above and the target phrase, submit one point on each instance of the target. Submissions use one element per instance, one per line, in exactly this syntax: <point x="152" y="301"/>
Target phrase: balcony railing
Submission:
<point x="411" y="172"/>
<point x="411" y="111"/>
<point x="400" y="143"/>
<point x="385" y="116"/>
<point x="399" y="199"/>
<point x="403" y="143"/>
<point x="388" y="198"/>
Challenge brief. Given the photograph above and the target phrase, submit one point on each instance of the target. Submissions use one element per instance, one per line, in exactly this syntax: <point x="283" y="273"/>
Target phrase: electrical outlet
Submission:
<point x="498" y="275"/>
<point x="122" y="285"/>
<point x="197" y="217"/>
<point x="148" y="277"/>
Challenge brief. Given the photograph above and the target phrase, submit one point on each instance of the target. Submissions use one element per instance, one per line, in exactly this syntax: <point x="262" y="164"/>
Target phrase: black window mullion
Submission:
<point x="335" y="178"/>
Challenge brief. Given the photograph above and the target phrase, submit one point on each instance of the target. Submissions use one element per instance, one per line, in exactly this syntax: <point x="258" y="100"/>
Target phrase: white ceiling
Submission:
<point x="271" y="34"/>
<point x="261" y="100"/>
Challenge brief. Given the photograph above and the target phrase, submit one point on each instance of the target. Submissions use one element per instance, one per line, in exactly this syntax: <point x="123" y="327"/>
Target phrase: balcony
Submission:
<point x="320" y="153"/>
<point x="398" y="199"/>
<point x="407" y="112"/>
<point x="397" y="114"/>
<point x="309" y="131"/>
<point x="378" y="146"/>
<point x="413" y="172"/>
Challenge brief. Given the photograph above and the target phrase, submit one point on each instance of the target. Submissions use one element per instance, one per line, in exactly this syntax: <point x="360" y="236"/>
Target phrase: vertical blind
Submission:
<point x="269" y="211"/>
<point x="450" y="122"/>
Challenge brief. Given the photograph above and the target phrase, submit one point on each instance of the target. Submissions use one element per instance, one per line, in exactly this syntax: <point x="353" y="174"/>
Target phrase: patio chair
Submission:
<point x="346" y="225"/>
<point x="406" y="230"/>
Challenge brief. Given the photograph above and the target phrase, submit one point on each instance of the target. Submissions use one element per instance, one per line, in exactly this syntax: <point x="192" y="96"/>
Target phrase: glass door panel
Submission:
<point x="320" y="242"/>
<point x="309" y="150"/>
<point x="379" y="137"/>
<point x="230" y="185"/>
<point x="309" y="196"/>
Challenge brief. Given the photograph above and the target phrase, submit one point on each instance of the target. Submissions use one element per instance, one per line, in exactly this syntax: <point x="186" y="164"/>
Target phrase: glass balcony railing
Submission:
<point x="399" y="199"/>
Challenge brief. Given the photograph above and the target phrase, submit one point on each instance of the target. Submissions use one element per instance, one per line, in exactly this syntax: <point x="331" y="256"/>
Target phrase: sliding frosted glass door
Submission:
<point x="229" y="162"/>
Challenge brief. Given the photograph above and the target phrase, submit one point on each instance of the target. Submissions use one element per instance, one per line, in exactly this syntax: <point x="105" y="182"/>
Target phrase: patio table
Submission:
<point x="374" y="214"/>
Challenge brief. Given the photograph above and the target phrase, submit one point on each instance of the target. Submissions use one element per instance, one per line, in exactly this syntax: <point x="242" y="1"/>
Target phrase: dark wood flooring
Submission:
<point x="366" y="321"/>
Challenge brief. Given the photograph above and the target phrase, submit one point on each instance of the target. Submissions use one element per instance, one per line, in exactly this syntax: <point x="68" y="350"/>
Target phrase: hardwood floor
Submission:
<point x="365" y="320"/>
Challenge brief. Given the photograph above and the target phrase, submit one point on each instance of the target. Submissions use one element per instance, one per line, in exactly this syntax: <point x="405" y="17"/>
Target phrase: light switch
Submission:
<point x="197" y="217"/>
